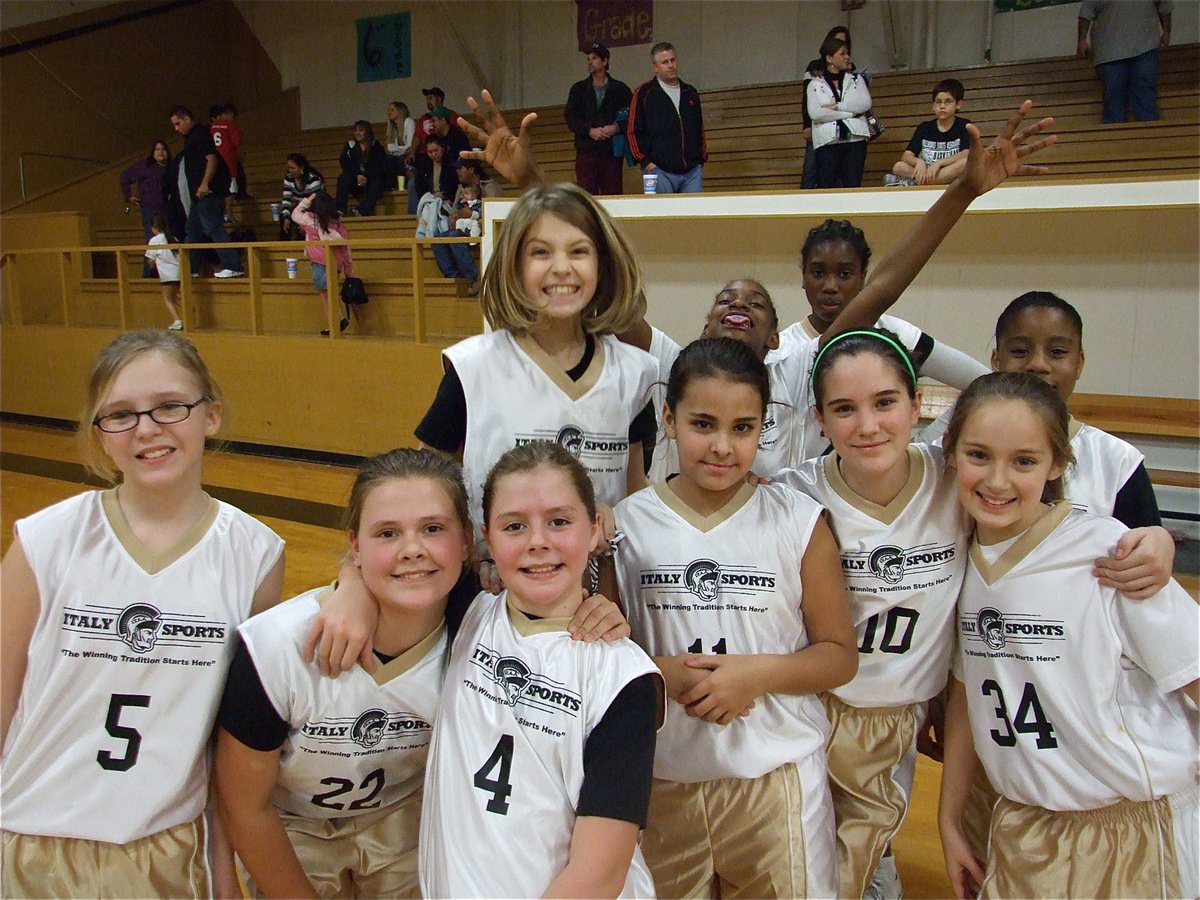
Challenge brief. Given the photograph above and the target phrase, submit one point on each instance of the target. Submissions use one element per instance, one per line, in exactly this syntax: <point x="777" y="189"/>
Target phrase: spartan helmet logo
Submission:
<point x="368" y="728"/>
<point x="702" y="578"/>
<point x="888" y="563"/>
<point x="138" y="627"/>
<point x="513" y="677"/>
<point x="991" y="627"/>
<point x="570" y="438"/>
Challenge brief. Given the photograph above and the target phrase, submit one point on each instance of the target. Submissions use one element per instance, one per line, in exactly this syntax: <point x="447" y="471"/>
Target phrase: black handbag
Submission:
<point x="354" y="293"/>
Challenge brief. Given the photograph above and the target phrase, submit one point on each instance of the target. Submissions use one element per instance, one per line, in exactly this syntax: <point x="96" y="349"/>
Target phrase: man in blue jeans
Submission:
<point x="1126" y="36"/>
<point x="666" y="127"/>
<point x="203" y="187"/>
<point x="458" y="260"/>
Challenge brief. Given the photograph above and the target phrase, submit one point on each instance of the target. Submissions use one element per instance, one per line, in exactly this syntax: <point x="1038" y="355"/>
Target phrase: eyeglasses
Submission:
<point x="127" y="419"/>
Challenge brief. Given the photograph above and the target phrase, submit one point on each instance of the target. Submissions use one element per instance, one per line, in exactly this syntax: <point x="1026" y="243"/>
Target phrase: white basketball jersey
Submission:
<point x="516" y="394"/>
<point x="126" y="667"/>
<point x="1103" y="463"/>
<point x="904" y="566"/>
<point x="1069" y="685"/>
<point x="725" y="583"/>
<point x="506" y="766"/>
<point x="357" y="743"/>
<point x="784" y="434"/>
<point x="801" y="333"/>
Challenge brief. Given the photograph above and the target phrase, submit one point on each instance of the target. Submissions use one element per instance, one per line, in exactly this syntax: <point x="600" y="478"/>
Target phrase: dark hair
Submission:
<point x="832" y="45"/>
<point x="324" y="209"/>
<point x="660" y="47"/>
<point x="879" y="341"/>
<point x="370" y="129"/>
<point x="154" y="146"/>
<point x="720" y="357"/>
<point x="181" y="111"/>
<point x="435" y="139"/>
<point x="531" y="456"/>
<point x="407" y="463"/>
<point x="1040" y="397"/>
<point x="834" y="32"/>
<point x="307" y="172"/>
<point x="215" y="110"/>
<point x="230" y="108"/>
<point x="951" y="86"/>
<point x="1038" y="300"/>
<point x="837" y="230"/>
<point x="159" y="221"/>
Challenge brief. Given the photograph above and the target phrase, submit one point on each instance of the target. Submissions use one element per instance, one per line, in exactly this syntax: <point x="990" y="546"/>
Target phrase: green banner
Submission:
<point x="385" y="47"/>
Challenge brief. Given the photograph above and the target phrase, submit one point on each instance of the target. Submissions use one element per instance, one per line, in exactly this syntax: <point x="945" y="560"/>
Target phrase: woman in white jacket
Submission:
<point x="837" y="104"/>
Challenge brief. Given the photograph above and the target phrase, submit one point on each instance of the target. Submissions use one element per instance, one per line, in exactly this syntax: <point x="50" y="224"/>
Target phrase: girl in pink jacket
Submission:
<point x="318" y="216"/>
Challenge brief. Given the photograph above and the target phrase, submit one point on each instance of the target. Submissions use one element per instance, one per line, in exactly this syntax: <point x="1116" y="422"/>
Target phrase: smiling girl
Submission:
<point x="119" y="609"/>
<point x="1075" y="698"/>
<point x="543" y="747"/>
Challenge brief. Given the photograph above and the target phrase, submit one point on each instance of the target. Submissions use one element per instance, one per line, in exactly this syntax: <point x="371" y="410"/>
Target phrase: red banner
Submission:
<point x="614" y="23"/>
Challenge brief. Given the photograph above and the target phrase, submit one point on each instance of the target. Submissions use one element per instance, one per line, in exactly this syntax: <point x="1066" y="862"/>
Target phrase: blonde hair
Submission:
<point x="619" y="301"/>
<point x="109" y="363"/>
<point x="1042" y="400"/>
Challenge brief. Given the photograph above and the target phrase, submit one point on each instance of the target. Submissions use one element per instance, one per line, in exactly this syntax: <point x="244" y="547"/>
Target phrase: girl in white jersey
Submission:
<point x="320" y="780"/>
<point x="539" y="771"/>
<point x="1075" y="699"/>
<point x="902" y="537"/>
<point x="736" y="591"/>
<point x="119" y="610"/>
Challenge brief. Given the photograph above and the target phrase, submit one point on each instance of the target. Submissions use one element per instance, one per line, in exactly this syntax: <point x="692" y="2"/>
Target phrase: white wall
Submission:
<point x="525" y="52"/>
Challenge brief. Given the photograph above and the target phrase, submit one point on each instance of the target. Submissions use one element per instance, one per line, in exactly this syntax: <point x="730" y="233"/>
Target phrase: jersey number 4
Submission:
<point x="131" y="736"/>
<point x="499" y="787"/>
<point x="1030" y="718"/>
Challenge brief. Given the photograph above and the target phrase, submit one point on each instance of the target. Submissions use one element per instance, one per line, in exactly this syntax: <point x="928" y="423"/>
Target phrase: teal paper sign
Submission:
<point x="385" y="47"/>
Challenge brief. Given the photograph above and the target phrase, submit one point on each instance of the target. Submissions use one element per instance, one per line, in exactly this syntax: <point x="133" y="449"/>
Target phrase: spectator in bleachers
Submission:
<point x="1126" y="37"/>
<point x="593" y="107"/>
<point x="300" y="180"/>
<point x="203" y="186"/>
<point x="319" y="217"/>
<point x="937" y="152"/>
<point x="434" y="97"/>
<point x="837" y="103"/>
<point x="816" y="69"/>
<point x="458" y="260"/>
<point x="400" y="131"/>
<point x="436" y="183"/>
<point x="454" y="139"/>
<point x="228" y="137"/>
<point x="666" y="126"/>
<point x="365" y="171"/>
<point x="149" y="176"/>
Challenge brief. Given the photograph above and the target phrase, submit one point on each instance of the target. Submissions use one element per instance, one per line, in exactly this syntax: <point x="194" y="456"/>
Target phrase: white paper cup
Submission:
<point x="275" y="212"/>
<point x="649" y="182"/>
<point x="292" y="265"/>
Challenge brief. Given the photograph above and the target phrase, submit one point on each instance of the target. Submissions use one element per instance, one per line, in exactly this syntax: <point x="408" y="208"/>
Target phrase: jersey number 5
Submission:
<point x="499" y="787"/>
<point x="131" y="736"/>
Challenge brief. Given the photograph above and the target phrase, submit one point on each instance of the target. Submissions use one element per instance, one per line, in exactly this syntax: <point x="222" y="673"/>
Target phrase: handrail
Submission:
<point x="21" y="163"/>
<point x="67" y="270"/>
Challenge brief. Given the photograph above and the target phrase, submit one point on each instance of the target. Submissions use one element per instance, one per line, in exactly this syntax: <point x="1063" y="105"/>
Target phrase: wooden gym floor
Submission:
<point x="302" y="503"/>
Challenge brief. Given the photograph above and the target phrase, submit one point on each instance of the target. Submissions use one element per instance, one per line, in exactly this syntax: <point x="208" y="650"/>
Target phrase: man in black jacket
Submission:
<point x="366" y="171"/>
<point x="666" y="127"/>
<point x="593" y="107"/>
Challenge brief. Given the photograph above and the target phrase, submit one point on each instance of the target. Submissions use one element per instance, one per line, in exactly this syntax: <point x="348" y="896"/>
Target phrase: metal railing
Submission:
<point x="69" y="259"/>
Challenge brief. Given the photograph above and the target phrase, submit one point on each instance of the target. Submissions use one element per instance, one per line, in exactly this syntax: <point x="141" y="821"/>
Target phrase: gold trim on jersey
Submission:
<point x="573" y="389"/>
<point x="807" y="328"/>
<point x="409" y="658"/>
<point x="888" y="514"/>
<point x="1025" y="544"/>
<point x="147" y="559"/>
<point x="713" y="519"/>
<point x="527" y="627"/>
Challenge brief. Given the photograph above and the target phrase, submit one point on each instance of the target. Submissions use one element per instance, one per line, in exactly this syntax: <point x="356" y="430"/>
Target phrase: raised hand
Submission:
<point x="987" y="168"/>
<point x="510" y="155"/>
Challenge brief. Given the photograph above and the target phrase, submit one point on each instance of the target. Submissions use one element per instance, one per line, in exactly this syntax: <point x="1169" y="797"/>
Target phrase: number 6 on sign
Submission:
<point x="499" y="787"/>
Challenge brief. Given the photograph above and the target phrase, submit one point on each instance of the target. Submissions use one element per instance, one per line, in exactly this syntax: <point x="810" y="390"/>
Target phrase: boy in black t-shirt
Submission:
<point x="938" y="149"/>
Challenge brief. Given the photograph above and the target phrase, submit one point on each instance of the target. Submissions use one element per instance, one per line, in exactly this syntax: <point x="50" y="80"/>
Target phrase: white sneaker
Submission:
<point x="177" y="325"/>
<point x="229" y="273"/>
<point x="885" y="883"/>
